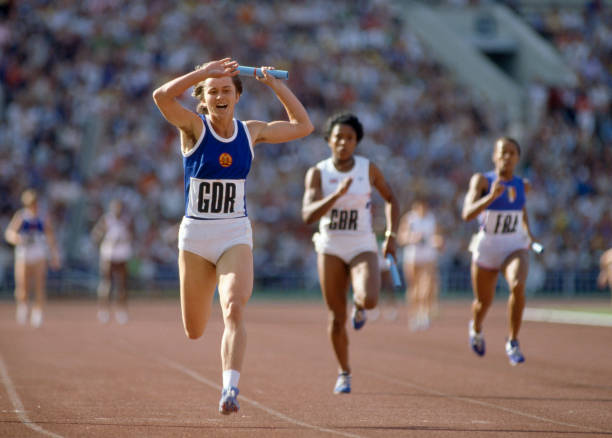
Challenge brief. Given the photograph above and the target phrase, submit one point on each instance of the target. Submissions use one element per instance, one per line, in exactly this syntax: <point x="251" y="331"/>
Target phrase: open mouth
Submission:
<point x="222" y="106"/>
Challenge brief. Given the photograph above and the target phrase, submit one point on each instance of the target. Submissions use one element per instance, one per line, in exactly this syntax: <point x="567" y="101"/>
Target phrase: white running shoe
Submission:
<point x="21" y="315"/>
<point x="121" y="316"/>
<point x="36" y="318"/>
<point x="103" y="316"/>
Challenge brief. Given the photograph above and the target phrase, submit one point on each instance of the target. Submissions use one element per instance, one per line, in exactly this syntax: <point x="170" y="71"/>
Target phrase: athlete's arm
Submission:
<point x="298" y="125"/>
<point x="50" y="235"/>
<point x="12" y="230"/>
<point x="391" y="208"/>
<point x="314" y="205"/>
<point x="166" y="98"/>
<point x="527" y="187"/>
<point x="474" y="202"/>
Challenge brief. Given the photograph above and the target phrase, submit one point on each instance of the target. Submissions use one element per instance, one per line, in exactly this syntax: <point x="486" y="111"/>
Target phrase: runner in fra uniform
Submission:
<point x="338" y="195"/>
<point x="497" y="198"/>
<point x="215" y="241"/>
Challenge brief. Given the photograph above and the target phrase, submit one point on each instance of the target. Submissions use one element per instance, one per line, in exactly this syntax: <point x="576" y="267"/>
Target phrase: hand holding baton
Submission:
<point x="537" y="247"/>
<point x="253" y="72"/>
<point x="397" y="280"/>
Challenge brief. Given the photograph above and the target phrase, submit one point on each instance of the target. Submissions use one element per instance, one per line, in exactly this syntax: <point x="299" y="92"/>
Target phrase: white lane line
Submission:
<point x="16" y="401"/>
<point x="204" y="380"/>
<point x="482" y="403"/>
<point x="567" y="317"/>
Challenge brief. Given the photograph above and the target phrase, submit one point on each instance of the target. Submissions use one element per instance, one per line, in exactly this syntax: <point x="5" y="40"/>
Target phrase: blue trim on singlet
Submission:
<point x="205" y="163"/>
<point x="504" y="202"/>
<point x="31" y="225"/>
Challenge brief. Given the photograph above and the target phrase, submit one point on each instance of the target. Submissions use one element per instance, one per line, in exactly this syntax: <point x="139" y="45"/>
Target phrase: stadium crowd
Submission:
<point x="78" y="122"/>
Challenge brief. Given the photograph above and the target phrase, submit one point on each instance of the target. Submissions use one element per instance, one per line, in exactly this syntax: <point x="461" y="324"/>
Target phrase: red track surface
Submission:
<point x="77" y="378"/>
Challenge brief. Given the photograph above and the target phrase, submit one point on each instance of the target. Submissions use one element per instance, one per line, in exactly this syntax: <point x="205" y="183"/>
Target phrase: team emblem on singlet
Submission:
<point x="225" y="159"/>
<point x="511" y="193"/>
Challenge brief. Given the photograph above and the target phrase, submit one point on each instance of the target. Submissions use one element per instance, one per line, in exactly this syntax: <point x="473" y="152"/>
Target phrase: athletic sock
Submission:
<point x="231" y="378"/>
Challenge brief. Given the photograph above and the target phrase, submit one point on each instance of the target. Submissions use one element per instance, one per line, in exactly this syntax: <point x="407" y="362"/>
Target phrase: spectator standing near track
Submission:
<point x="31" y="232"/>
<point x="497" y="198"/>
<point x="420" y="235"/>
<point x="215" y="239"/>
<point x="114" y="232"/>
<point x="338" y="195"/>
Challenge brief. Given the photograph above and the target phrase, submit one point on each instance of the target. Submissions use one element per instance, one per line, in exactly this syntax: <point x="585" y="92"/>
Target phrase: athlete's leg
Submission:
<point x="197" y="285"/>
<point x="334" y="280"/>
<point x="483" y="284"/>
<point x="104" y="289"/>
<point x="119" y="273"/>
<point x="37" y="271"/>
<point x="21" y="291"/>
<point x="235" y="278"/>
<point x="409" y="277"/>
<point x="365" y="278"/>
<point x="515" y="270"/>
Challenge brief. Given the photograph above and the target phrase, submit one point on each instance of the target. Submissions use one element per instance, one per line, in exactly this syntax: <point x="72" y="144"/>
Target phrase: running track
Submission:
<point x="77" y="378"/>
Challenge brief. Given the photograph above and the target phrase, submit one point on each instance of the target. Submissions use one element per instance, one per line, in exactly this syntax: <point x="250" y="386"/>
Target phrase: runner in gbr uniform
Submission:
<point x="497" y="198"/>
<point x="338" y="195"/>
<point x="215" y="244"/>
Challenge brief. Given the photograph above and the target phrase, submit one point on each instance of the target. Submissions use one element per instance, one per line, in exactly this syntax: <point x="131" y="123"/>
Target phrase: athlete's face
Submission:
<point x="342" y="142"/>
<point x="220" y="96"/>
<point x="505" y="156"/>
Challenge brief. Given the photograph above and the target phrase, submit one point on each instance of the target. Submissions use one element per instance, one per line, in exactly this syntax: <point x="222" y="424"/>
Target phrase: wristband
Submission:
<point x="389" y="233"/>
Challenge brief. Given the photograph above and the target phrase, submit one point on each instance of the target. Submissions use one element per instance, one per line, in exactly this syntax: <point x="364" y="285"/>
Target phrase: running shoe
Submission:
<point x="228" y="402"/>
<point x="343" y="384"/>
<point x="22" y="314"/>
<point x="358" y="317"/>
<point x="514" y="352"/>
<point x="477" y="341"/>
<point x="36" y="318"/>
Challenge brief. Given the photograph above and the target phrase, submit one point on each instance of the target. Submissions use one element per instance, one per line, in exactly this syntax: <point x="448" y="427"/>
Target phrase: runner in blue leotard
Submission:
<point x="497" y="198"/>
<point x="215" y="243"/>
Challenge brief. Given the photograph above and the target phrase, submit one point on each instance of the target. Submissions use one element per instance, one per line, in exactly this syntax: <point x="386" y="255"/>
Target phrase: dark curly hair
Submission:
<point x="510" y="140"/>
<point x="344" y="118"/>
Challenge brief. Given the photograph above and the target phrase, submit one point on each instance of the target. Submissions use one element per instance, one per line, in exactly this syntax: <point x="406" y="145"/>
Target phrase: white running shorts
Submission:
<point x="490" y="252"/>
<point x="211" y="238"/>
<point x="345" y="246"/>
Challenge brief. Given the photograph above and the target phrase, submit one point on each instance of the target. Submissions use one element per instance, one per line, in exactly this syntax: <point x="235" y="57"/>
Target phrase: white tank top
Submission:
<point x="116" y="244"/>
<point x="351" y="213"/>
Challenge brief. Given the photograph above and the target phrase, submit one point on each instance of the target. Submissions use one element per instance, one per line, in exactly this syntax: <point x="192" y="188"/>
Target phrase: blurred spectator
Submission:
<point x="78" y="123"/>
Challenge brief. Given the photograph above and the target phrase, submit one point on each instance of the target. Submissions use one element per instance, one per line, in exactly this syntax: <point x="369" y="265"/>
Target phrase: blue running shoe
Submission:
<point x="358" y="317"/>
<point x="343" y="384"/>
<point x="477" y="341"/>
<point x="228" y="402"/>
<point x="514" y="352"/>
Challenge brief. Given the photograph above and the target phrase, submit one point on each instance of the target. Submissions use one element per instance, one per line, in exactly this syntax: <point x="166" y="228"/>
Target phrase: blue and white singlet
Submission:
<point x="215" y="173"/>
<point x="504" y="217"/>
<point x="33" y="245"/>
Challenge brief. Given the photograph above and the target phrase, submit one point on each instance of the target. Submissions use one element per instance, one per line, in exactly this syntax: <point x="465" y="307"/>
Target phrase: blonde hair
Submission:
<point x="198" y="91"/>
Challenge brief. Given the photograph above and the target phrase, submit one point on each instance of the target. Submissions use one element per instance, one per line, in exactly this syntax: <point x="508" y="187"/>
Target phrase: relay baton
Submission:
<point x="252" y="71"/>
<point x="537" y="247"/>
<point x="397" y="281"/>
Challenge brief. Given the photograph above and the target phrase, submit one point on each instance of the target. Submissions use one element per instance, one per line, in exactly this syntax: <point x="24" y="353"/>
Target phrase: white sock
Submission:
<point x="231" y="378"/>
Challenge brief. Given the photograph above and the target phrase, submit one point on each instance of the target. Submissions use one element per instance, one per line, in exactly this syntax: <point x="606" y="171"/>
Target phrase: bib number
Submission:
<point x="343" y="219"/>
<point x="216" y="197"/>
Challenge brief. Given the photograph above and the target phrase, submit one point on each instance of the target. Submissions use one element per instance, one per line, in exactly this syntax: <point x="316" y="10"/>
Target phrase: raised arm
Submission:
<point x="166" y="97"/>
<point x="52" y="242"/>
<point x="298" y="125"/>
<point x="391" y="209"/>
<point x="474" y="202"/>
<point x="314" y="206"/>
